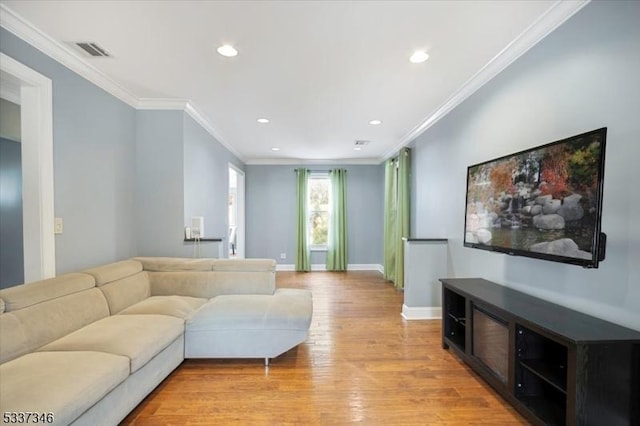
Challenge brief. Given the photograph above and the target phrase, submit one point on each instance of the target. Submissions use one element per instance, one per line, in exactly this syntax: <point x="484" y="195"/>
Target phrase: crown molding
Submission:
<point x="161" y="104"/>
<point x="304" y="162"/>
<point x="192" y="111"/>
<point x="555" y="16"/>
<point x="23" y="29"/>
<point x="68" y="57"/>
<point x="211" y="129"/>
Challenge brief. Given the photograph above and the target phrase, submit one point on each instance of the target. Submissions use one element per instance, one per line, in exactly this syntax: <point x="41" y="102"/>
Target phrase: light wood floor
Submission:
<point x="362" y="363"/>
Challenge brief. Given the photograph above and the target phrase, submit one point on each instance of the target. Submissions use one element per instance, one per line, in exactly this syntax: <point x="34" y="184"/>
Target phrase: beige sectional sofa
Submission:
<point x="86" y="348"/>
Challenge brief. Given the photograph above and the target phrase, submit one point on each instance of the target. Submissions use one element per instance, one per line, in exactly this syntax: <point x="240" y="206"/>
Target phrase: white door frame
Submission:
<point x="240" y="222"/>
<point x="36" y="102"/>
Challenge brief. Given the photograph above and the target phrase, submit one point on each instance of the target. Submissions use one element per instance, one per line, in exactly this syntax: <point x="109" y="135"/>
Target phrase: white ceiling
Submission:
<point x="319" y="70"/>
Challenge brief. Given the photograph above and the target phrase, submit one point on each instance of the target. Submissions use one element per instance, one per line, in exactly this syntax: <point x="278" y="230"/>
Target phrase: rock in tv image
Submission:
<point x="545" y="202"/>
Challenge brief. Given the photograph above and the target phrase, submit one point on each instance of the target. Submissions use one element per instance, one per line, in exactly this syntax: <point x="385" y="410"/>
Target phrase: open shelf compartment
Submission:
<point x="455" y="321"/>
<point x="541" y="375"/>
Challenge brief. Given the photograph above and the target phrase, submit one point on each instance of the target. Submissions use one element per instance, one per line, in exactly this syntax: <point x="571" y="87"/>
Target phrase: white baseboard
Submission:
<point x="363" y="267"/>
<point x="421" y="312"/>
<point x="321" y="267"/>
<point x="285" y="268"/>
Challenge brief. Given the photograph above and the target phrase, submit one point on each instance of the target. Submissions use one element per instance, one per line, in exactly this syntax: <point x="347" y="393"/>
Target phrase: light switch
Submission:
<point x="58" y="225"/>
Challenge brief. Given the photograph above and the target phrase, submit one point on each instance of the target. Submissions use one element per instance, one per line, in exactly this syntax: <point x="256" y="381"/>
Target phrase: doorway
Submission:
<point x="33" y="92"/>
<point x="235" y="217"/>
<point x="11" y="236"/>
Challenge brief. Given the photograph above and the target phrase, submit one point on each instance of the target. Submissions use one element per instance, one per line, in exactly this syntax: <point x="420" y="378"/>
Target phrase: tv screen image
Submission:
<point x="544" y="202"/>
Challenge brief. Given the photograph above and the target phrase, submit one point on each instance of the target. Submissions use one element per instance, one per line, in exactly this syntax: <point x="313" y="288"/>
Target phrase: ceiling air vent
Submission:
<point x="359" y="145"/>
<point x="92" y="49"/>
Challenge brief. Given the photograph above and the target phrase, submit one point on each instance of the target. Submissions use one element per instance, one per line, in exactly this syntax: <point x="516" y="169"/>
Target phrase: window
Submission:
<point x="318" y="208"/>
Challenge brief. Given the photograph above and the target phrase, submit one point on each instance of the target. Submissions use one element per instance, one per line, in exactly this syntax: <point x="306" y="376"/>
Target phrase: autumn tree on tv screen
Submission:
<point x="545" y="202"/>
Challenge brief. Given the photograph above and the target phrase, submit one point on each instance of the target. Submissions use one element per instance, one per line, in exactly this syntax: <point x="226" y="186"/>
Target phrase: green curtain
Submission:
<point x="402" y="213"/>
<point x="390" y="174"/>
<point x="337" y="247"/>
<point x="303" y="262"/>
<point x="396" y="215"/>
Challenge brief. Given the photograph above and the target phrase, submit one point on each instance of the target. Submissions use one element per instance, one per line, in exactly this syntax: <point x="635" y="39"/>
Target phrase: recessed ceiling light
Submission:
<point x="227" y="50"/>
<point x="418" y="57"/>
<point x="375" y="122"/>
<point x="262" y="120"/>
<point x="357" y="148"/>
<point x="274" y="149"/>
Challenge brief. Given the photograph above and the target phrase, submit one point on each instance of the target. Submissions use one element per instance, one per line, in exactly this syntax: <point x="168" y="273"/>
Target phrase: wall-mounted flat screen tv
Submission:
<point x="544" y="202"/>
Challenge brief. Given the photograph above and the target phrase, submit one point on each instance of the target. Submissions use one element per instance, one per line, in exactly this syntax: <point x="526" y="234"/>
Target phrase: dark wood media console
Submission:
<point x="555" y="365"/>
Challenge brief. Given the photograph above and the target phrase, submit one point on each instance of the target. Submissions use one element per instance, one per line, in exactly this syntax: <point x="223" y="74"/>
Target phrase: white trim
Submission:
<point x="161" y="104"/>
<point x="67" y="56"/>
<point x="10" y="92"/>
<point x="36" y="100"/>
<point x="209" y="127"/>
<point x="240" y="211"/>
<point x="421" y="312"/>
<point x="192" y="111"/>
<point x="285" y="267"/>
<point x="321" y="267"/>
<point x="363" y="267"/>
<point x="555" y="16"/>
<point x="76" y="62"/>
<point x="299" y="162"/>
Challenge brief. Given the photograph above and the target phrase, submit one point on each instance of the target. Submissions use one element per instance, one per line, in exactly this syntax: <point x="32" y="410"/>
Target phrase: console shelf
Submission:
<point x="556" y="376"/>
<point x="556" y="366"/>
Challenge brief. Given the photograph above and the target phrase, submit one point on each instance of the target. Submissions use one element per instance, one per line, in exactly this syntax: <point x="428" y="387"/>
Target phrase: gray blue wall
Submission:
<point x="159" y="183"/>
<point x="126" y="181"/>
<point x="94" y="164"/>
<point x="206" y="184"/>
<point x="581" y="77"/>
<point x="182" y="171"/>
<point x="11" y="246"/>
<point x="271" y="207"/>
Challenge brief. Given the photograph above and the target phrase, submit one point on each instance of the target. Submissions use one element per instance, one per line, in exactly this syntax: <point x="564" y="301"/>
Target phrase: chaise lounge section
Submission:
<point x="88" y="347"/>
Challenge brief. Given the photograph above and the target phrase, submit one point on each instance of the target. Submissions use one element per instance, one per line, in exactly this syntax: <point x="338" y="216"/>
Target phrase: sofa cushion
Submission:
<point x="211" y="284"/>
<point x="138" y="337"/>
<point x="122" y="293"/>
<point x="114" y="271"/>
<point x="249" y="326"/>
<point x="244" y="265"/>
<point x="13" y="337"/>
<point x="37" y="325"/>
<point x="176" y="306"/>
<point x="24" y="295"/>
<point x="123" y="283"/>
<point x="1" y="306"/>
<point x="287" y="309"/>
<point x="63" y="383"/>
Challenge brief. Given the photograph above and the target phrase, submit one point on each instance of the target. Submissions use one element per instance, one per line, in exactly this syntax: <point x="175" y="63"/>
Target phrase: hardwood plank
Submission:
<point x="361" y="363"/>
